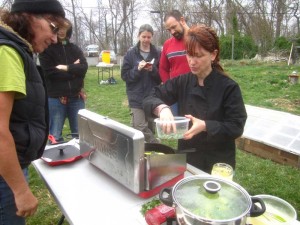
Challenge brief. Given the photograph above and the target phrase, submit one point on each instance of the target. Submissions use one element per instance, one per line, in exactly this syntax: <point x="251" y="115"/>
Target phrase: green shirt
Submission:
<point x="12" y="76"/>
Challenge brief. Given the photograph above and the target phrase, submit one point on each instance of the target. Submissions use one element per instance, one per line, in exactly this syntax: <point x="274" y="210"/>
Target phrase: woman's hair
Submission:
<point x="146" y="27"/>
<point x="207" y="38"/>
<point x="68" y="26"/>
<point x="21" y="22"/>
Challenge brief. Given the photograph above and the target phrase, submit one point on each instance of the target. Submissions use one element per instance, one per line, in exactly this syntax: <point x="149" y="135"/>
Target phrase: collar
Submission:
<point x="208" y="81"/>
<point x="10" y="30"/>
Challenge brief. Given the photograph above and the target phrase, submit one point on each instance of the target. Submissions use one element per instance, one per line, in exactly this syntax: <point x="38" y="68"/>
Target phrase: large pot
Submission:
<point x="201" y="200"/>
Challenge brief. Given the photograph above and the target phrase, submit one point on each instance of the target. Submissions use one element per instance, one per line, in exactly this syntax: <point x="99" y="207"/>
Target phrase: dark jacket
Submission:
<point x="29" y="117"/>
<point x="219" y="103"/>
<point x="139" y="83"/>
<point x="63" y="83"/>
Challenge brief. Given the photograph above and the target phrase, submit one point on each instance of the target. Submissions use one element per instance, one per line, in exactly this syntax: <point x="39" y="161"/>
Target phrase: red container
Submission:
<point x="159" y="214"/>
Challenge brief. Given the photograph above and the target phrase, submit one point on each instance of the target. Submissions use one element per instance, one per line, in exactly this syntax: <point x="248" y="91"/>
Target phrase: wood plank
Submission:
<point x="268" y="152"/>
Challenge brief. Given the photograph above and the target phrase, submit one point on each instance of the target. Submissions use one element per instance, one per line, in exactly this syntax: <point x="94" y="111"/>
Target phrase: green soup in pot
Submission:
<point x="228" y="203"/>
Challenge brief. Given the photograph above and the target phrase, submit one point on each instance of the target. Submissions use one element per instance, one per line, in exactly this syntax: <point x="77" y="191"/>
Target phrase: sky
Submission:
<point x="143" y="16"/>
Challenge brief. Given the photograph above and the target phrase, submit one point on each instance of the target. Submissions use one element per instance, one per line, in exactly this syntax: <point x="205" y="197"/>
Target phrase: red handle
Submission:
<point x="52" y="139"/>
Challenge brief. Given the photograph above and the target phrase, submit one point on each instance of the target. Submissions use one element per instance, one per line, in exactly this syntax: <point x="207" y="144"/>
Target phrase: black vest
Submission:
<point x="29" y="118"/>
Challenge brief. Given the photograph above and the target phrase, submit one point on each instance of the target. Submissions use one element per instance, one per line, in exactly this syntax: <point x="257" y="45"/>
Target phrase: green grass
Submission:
<point x="264" y="85"/>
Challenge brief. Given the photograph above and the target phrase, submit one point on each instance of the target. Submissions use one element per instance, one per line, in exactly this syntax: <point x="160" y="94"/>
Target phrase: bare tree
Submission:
<point x="120" y="13"/>
<point x="129" y="12"/>
<point x="6" y="4"/>
<point x="294" y="8"/>
<point x="113" y="25"/>
<point x="209" y="12"/>
<point x="158" y="8"/>
<point x="280" y="10"/>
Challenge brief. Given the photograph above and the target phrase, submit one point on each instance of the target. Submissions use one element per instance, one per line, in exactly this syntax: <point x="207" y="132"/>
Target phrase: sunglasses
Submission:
<point x="53" y="28"/>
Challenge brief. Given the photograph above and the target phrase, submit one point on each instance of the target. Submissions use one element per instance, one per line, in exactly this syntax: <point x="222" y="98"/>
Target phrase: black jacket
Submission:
<point x="63" y="83"/>
<point x="219" y="103"/>
<point x="139" y="83"/>
<point x="29" y="117"/>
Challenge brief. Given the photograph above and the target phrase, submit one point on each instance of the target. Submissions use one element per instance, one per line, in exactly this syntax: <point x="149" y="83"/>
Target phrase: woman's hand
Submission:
<point x="197" y="127"/>
<point x="166" y="115"/>
<point x="144" y="65"/>
<point x="62" y="67"/>
<point x="141" y="65"/>
<point x="26" y="203"/>
<point x="77" y="61"/>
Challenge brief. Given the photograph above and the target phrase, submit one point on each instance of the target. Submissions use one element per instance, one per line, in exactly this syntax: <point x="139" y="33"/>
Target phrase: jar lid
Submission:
<point x="211" y="198"/>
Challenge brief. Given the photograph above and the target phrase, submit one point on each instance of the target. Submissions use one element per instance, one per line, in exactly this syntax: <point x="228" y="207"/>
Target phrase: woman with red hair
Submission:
<point x="208" y="97"/>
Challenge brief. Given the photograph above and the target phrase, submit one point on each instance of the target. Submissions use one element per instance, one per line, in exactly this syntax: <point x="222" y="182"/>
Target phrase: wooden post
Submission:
<point x="291" y="54"/>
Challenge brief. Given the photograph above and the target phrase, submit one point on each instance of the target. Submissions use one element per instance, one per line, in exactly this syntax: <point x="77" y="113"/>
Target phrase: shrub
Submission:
<point x="244" y="47"/>
<point x="281" y="43"/>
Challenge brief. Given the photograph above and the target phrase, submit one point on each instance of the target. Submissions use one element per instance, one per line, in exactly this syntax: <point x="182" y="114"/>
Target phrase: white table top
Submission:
<point x="105" y="65"/>
<point x="86" y="195"/>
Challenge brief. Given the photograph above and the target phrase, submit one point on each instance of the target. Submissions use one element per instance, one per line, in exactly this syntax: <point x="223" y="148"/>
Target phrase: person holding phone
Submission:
<point x="140" y="72"/>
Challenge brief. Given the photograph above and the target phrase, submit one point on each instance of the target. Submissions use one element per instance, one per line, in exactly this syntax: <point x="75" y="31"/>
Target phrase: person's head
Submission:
<point x="175" y="23"/>
<point x="203" y="50"/>
<point x="65" y="32"/>
<point x="145" y="35"/>
<point x="37" y="21"/>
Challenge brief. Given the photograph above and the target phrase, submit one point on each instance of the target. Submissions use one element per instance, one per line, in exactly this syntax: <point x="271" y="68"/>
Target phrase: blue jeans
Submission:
<point x="58" y="113"/>
<point x="174" y="109"/>
<point x="8" y="207"/>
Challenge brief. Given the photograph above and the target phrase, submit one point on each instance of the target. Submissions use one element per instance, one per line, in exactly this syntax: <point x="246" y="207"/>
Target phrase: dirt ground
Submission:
<point x="285" y="104"/>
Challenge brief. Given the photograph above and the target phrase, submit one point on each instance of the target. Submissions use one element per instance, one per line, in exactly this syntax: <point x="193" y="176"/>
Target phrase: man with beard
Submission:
<point x="173" y="60"/>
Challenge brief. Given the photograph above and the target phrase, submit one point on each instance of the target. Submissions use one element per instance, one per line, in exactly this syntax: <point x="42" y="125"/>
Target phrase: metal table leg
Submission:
<point x="98" y="76"/>
<point x="61" y="220"/>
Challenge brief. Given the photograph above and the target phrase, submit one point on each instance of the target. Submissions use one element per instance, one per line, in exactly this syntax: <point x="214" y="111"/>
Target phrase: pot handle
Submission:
<point x="165" y="195"/>
<point x="257" y="210"/>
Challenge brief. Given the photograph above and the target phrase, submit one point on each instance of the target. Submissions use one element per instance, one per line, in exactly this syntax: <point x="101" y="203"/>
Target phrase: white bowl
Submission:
<point x="278" y="212"/>
<point x="181" y="124"/>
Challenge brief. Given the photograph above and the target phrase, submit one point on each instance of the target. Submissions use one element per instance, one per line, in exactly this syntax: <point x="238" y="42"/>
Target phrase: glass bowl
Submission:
<point x="178" y="127"/>
<point x="278" y="212"/>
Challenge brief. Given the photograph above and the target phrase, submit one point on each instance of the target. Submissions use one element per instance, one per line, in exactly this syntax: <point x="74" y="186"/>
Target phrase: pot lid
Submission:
<point x="211" y="198"/>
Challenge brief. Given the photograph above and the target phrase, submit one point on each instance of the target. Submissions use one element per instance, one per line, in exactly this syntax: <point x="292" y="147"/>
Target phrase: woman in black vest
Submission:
<point x="30" y="27"/>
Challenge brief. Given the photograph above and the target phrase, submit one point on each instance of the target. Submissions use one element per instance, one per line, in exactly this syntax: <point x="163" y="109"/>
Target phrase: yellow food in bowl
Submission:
<point x="278" y="212"/>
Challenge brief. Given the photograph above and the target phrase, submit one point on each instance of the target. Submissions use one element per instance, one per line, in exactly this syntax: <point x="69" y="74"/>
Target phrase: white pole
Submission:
<point x="290" y="54"/>
<point x="121" y="62"/>
<point x="232" y="41"/>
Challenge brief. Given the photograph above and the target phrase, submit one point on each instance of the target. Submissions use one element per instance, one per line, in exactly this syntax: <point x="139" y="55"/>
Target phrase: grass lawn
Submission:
<point x="264" y="85"/>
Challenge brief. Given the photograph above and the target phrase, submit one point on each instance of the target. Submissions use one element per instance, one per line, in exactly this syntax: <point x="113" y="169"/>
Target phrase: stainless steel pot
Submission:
<point x="202" y="200"/>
